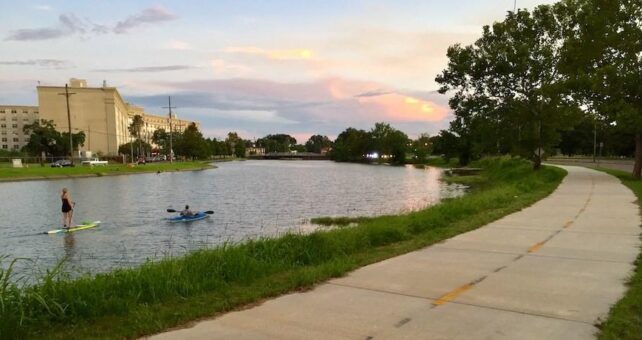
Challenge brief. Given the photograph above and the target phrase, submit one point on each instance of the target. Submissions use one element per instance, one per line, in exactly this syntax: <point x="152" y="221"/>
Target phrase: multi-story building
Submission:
<point x="12" y="120"/>
<point x="101" y="113"/>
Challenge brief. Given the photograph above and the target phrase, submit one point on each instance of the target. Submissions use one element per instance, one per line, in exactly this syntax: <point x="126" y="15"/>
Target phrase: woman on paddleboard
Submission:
<point x="67" y="208"/>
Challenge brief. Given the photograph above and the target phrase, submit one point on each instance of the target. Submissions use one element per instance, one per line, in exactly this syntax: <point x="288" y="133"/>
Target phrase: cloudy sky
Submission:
<point x="254" y="67"/>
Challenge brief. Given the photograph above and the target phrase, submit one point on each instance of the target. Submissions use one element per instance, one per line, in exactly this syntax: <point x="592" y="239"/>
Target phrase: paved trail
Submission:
<point x="550" y="271"/>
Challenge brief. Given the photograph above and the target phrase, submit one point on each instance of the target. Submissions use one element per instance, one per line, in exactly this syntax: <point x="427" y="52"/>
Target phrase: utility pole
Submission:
<point x="71" y="142"/>
<point x="171" y="147"/>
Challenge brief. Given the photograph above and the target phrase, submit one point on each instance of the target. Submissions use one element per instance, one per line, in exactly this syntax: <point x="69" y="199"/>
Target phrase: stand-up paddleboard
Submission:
<point x="83" y="226"/>
<point x="197" y="216"/>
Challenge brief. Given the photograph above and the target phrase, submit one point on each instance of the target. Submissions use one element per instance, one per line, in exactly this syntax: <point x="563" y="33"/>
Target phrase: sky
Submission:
<point x="252" y="67"/>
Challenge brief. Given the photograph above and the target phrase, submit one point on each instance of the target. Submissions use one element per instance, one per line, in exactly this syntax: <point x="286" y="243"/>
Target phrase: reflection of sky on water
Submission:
<point x="250" y="199"/>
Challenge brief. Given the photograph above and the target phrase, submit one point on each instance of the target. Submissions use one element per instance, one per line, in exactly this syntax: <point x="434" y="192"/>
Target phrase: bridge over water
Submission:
<point x="308" y="156"/>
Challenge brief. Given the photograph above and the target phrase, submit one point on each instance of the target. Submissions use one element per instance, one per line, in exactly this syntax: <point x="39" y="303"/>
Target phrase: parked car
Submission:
<point x="94" y="161"/>
<point x="62" y="163"/>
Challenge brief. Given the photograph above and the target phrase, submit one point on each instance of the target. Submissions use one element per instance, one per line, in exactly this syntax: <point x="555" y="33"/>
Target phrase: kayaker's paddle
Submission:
<point x="209" y="212"/>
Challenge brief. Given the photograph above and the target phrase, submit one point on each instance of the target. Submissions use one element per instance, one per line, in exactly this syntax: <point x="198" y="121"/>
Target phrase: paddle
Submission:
<point x="209" y="212"/>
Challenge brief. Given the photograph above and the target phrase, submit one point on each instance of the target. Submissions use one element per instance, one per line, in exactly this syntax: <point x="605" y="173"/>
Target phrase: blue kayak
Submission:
<point x="197" y="216"/>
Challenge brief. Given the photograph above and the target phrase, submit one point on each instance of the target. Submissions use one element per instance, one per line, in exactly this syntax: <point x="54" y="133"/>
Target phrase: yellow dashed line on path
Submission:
<point x="452" y="294"/>
<point x="535" y="247"/>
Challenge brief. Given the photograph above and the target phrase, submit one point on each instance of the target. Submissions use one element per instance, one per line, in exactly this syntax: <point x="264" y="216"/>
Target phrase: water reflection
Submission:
<point x="249" y="199"/>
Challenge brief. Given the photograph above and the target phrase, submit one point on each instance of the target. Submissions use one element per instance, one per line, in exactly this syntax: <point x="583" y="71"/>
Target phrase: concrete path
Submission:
<point x="550" y="271"/>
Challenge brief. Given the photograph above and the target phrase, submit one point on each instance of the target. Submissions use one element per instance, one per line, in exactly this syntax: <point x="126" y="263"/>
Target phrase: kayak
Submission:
<point x="82" y="226"/>
<point x="197" y="216"/>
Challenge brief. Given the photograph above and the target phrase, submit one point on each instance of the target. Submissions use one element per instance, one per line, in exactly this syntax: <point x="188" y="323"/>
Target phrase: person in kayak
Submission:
<point x="67" y="208"/>
<point x="186" y="212"/>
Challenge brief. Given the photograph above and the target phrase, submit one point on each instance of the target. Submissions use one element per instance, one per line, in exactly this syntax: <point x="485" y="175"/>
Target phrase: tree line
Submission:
<point x="548" y="79"/>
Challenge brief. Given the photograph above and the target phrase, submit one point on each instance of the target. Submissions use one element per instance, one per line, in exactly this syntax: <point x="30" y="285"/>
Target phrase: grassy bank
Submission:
<point x="47" y="172"/>
<point x="625" y="317"/>
<point x="155" y="296"/>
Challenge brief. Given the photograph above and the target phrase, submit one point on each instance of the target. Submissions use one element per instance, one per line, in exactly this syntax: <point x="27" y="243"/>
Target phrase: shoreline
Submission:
<point x="212" y="281"/>
<point x="208" y="166"/>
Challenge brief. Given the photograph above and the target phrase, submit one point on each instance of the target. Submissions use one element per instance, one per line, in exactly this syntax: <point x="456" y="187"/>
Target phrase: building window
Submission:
<point x="4" y="146"/>
<point x="1" y="111"/>
<point x="15" y="126"/>
<point x="16" y="140"/>
<point x="14" y="111"/>
<point x="25" y="111"/>
<point x="16" y="147"/>
<point x="36" y="112"/>
<point x="3" y="125"/>
<point x="4" y="139"/>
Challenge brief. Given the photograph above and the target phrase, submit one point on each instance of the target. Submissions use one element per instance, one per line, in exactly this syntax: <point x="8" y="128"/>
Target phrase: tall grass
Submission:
<point x="625" y="317"/>
<point x="127" y="303"/>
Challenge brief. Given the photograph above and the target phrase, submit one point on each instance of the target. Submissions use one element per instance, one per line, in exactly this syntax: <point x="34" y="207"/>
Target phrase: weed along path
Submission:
<point x="550" y="271"/>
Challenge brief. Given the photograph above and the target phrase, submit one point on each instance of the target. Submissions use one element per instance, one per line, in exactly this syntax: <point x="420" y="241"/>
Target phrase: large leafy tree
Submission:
<point x="602" y="56"/>
<point x="276" y="143"/>
<point x="316" y="143"/>
<point x="193" y="144"/>
<point x="422" y="146"/>
<point x="351" y="145"/>
<point x="389" y="141"/>
<point x="43" y="137"/>
<point x="507" y="88"/>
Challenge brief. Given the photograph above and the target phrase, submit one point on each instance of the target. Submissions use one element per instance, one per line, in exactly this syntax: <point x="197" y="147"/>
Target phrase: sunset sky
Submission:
<point x="254" y="67"/>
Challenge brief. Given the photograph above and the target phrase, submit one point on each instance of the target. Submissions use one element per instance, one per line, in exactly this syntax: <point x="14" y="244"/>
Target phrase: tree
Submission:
<point x="422" y="146"/>
<point x="235" y="144"/>
<point x="351" y="145"/>
<point x="193" y="144"/>
<point x="135" y="129"/>
<point x="316" y="143"/>
<point x="276" y="143"/>
<point x="141" y="151"/>
<point x="602" y="57"/>
<point x="507" y="87"/>
<point x="388" y="141"/>
<point x="43" y="137"/>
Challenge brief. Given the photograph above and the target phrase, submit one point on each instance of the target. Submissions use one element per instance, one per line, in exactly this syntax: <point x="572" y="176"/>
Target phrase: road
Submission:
<point x="550" y="271"/>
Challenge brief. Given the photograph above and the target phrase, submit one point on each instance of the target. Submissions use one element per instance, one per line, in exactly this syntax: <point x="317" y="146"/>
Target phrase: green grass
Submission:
<point x="625" y="318"/>
<point x="36" y="171"/>
<point x="338" y="221"/>
<point x="128" y="303"/>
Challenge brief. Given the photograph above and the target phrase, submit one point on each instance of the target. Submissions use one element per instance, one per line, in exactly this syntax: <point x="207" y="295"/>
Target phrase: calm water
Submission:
<point x="250" y="199"/>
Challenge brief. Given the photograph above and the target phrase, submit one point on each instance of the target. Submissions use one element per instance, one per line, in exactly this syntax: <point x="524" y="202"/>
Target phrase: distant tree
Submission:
<point x="351" y="145"/>
<point x="193" y="144"/>
<point x="235" y="144"/>
<point x="389" y="141"/>
<point x="448" y="145"/>
<point x="135" y="129"/>
<point x="317" y="142"/>
<point x="43" y="137"/>
<point x="276" y="143"/>
<point x="422" y="146"/>
<point x="139" y="147"/>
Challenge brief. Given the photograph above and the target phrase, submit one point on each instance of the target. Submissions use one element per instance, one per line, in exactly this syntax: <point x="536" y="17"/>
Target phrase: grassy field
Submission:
<point x="625" y="317"/>
<point x="38" y="172"/>
<point x="129" y="303"/>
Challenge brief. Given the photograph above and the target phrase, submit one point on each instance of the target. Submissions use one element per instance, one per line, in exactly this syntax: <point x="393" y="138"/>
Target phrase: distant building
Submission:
<point x="12" y="119"/>
<point x="254" y="151"/>
<point x="101" y="113"/>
